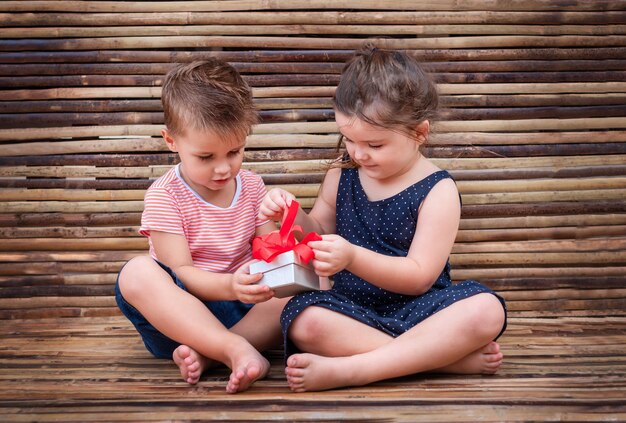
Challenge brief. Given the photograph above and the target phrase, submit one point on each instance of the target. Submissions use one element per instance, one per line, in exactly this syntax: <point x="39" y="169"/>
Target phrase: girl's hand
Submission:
<point x="275" y="203"/>
<point x="244" y="288"/>
<point x="332" y="254"/>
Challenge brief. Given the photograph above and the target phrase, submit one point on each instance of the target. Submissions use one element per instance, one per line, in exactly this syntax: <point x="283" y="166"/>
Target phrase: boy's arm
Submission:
<point x="173" y="251"/>
<point x="265" y="228"/>
<point x="321" y="219"/>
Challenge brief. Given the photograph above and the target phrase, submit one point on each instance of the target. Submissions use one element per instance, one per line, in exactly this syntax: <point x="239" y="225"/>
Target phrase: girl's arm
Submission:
<point x="173" y="251"/>
<point x="323" y="211"/>
<point x="435" y="233"/>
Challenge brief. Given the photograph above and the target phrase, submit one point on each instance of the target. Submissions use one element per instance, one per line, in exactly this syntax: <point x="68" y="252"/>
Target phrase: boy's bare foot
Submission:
<point x="190" y="363"/>
<point x="485" y="360"/>
<point x="247" y="369"/>
<point x="310" y="372"/>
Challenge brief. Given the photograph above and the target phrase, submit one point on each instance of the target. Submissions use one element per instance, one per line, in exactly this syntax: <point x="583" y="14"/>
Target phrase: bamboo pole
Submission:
<point x="304" y="77"/>
<point x="560" y="246"/>
<point x="191" y="41"/>
<point x="121" y="145"/>
<point x="574" y="184"/>
<point x="67" y="244"/>
<point x="310" y="192"/>
<point x="581" y="222"/>
<point x="64" y="232"/>
<point x="82" y="146"/>
<point x="303" y="152"/>
<point x="325" y="17"/>
<point x="530" y="100"/>
<point x="487" y="138"/>
<point x="17" y="194"/>
<point x="295" y="166"/>
<point x="73" y="207"/>
<point x="520" y="150"/>
<point x="65" y="256"/>
<point x="48" y="106"/>
<point x="447" y="101"/>
<point x="325" y="127"/>
<point x="547" y="283"/>
<point x="87" y="183"/>
<point x="467" y="188"/>
<point x="309" y="29"/>
<point x="530" y="233"/>
<point x="516" y="113"/>
<point x="267" y="80"/>
<point x="538" y="172"/>
<point x="537" y="209"/>
<point x="142" y="184"/>
<point x="537" y="259"/>
<point x="285" y="91"/>
<point x="165" y="159"/>
<point x="267" y="56"/>
<point x="312" y="115"/>
<point x="40" y="219"/>
<point x="464" y="236"/>
<point x="238" y="5"/>
<point x="478" y="273"/>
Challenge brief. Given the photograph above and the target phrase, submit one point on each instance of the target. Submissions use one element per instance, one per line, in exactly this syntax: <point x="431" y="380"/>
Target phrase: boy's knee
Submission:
<point x="133" y="277"/>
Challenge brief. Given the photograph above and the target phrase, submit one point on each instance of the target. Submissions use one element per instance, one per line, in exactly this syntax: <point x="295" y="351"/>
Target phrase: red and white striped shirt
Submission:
<point x="219" y="238"/>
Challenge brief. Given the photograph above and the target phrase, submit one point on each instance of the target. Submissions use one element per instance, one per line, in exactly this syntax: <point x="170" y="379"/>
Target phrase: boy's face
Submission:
<point x="208" y="162"/>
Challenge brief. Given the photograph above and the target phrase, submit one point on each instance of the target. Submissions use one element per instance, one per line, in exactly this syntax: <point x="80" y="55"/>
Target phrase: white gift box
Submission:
<point x="286" y="275"/>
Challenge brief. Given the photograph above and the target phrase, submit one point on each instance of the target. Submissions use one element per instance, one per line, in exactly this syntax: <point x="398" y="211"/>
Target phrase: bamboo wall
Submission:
<point x="533" y="129"/>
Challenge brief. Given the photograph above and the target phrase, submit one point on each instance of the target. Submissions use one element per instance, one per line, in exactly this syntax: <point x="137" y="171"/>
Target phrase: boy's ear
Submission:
<point x="421" y="131"/>
<point x="168" y="140"/>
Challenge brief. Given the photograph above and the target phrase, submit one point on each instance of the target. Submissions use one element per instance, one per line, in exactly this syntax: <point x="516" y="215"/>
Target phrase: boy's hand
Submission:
<point x="245" y="289"/>
<point x="332" y="254"/>
<point x="275" y="203"/>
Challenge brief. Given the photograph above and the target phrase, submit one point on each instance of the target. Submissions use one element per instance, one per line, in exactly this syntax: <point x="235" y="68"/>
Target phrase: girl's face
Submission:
<point x="208" y="162"/>
<point x="379" y="152"/>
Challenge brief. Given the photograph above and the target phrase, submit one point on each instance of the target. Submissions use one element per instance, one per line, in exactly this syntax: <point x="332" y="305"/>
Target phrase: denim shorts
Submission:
<point x="227" y="312"/>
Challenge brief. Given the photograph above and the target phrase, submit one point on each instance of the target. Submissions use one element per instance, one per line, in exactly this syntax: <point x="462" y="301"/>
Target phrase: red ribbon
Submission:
<point x="267" y="247"/>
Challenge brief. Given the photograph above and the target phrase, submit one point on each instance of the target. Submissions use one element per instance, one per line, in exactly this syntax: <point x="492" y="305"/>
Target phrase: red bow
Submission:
<point x="267" y="247"/>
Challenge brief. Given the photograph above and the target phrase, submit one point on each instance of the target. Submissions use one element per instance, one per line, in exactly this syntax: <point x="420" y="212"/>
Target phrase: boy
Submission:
<point x="192" y="300"/>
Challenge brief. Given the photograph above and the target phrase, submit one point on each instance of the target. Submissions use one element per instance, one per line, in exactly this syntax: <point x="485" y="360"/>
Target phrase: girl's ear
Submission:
<point x="421" y="132"/>
<point x="168" y="140"/>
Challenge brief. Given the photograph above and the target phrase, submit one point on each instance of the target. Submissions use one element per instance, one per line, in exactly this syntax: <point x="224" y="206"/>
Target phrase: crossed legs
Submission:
<point x="184" y="318"/>
<point x="345" y="352"/>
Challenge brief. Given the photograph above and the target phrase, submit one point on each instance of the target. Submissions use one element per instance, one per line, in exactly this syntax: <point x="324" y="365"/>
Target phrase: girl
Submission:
<point x="393" y="310"/>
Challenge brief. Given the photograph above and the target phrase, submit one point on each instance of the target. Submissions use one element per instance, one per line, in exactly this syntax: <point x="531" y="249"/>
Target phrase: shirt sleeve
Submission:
<point x="161" y="213"/>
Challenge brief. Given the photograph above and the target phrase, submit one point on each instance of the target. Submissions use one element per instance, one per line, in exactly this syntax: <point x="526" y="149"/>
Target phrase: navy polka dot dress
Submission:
<point x="387" y="227"/>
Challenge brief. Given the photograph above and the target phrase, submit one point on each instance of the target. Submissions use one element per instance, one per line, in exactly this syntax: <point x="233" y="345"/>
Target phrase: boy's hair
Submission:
<point x="208" y="95"/>
<point x="386" y="88"/>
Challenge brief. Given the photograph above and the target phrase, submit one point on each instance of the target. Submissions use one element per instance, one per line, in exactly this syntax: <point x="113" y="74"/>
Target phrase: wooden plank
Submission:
<point x="105" y="371"/>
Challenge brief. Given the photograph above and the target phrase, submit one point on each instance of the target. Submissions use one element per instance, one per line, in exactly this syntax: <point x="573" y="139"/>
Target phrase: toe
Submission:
<point x="294" y="372"/>
<point x="292" y="361"/>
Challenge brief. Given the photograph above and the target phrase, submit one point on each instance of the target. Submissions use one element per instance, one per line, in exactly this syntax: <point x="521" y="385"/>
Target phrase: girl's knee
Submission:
<point x="486" y="314"/>
<point x="308" y="326"/>
<point x="133" y="277"/>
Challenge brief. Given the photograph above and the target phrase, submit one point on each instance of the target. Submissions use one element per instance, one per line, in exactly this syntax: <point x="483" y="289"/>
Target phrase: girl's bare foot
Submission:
<point x="247" y="369"/>
<point x="310" y="372"/>
<point x="190" y="363"/>
<point x="485" y="360"/>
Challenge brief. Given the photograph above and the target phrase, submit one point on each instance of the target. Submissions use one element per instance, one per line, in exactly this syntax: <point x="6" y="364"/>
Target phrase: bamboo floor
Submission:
<point x="91" y="369"/>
